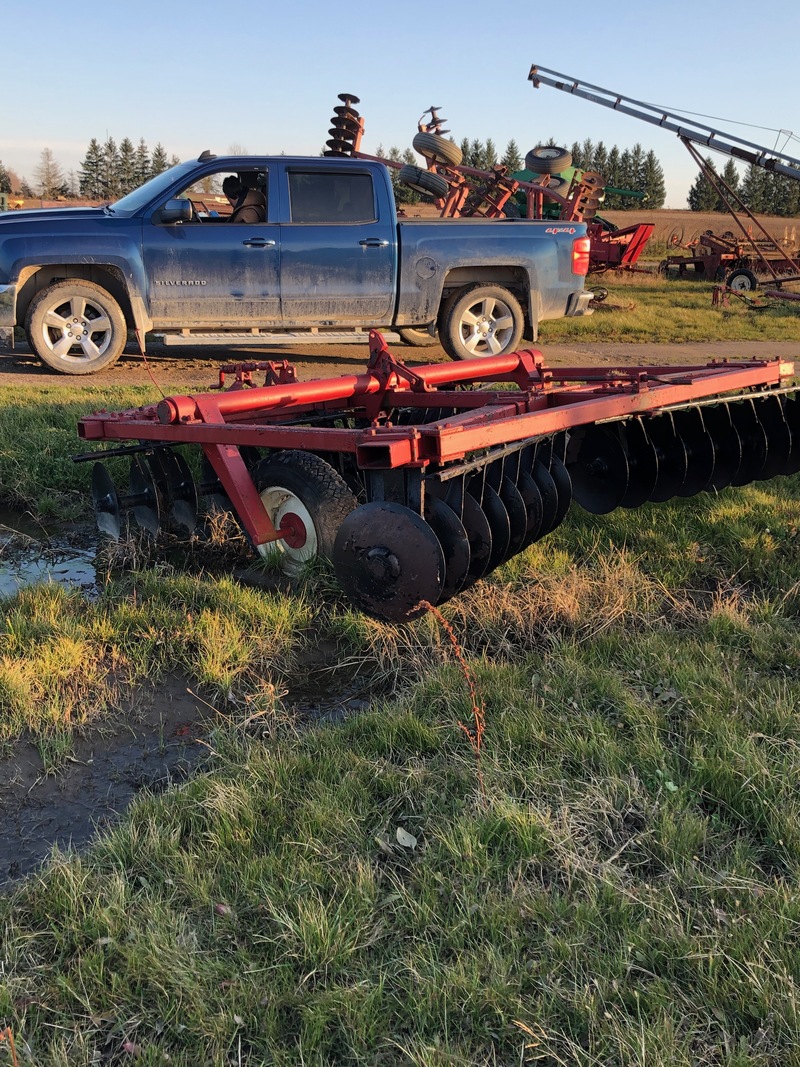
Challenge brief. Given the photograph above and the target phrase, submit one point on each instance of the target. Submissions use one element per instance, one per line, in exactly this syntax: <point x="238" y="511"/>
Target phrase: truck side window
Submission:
<point x="318" y="197"/>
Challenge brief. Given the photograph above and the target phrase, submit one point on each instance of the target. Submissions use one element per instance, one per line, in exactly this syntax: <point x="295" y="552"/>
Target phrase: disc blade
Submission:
<point x="529" y="491"/>
<point x="548" y="491"/>
<point x="769" y="412"/>
<point x="147" y="506"/>
<point x="753" y="438"/>
<point x="517" y="516"/>
<point x="494" y="510"/>
<point x="699" y="447"/>
<point x="791" y="410"/>
<point x="600" y="472"/>
<point x="388" y="560"/>
<point x="642" y="463"/>
<point x="563" y="484"/>
<point x="479" y="535"/>
<point x="671" y="455"/>
<point x="106" y="502"/>
<point x="452" y="536"/>
<point x="727" y="446"/>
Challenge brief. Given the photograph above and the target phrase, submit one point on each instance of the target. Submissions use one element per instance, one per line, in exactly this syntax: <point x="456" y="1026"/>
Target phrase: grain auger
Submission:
<point x="417" y="482"/>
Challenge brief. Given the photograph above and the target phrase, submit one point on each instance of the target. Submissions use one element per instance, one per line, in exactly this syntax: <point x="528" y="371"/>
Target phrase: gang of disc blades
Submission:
<point x="642" y="463"/>
<point x="779" y="437"/>
<point x="563" y="484"/>
<point x="727" y="446"/>
<point x="452" y="536"/>
<point x="517" y="515"/>
<point x="671" y="455"/>
<point x="753" y="438"/>
<point x="532" y="498"/>
<point x="791" y="410"/>
<point x="600" y="472"/>
<point x="388" y="560"/>
<point x="106" y="502"/>
<point x="145" y="497"/>
<point x="479" y="535"/>
<point x="697" y="441"/>
<point x="494" y="510"/>
<point x="549" y="494"/>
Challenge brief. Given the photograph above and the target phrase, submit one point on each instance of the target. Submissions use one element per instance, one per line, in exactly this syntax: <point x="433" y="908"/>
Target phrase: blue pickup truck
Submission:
<point x="323" y="258"/>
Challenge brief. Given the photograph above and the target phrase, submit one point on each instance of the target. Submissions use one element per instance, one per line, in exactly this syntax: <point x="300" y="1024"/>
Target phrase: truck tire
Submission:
<point x="435" y="146"/>
<point x="310" y="497"/>
<point x="484" y="320"/>
<point x="742" y="281"/>
<point x="418" y="337"/>
<point x="548" y="159"/>
<point x="424" y="181"/>
<point x="76" y="327"/>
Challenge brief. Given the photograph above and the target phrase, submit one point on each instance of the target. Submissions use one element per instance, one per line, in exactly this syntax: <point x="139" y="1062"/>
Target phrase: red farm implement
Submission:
<point x="460" y="191"/>
<point x="416" y="483"/>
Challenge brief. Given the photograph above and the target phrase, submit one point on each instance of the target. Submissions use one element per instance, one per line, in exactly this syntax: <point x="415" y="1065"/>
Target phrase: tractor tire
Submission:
<point x="418" y="337"/>
<point x="742" y="281"/>
<point x="76" y="327"/>
<point x="484" y="320"/>
<point x="435" y="146"/>
<point x="306" y="494"/>
<point x="424" y="181"/>
<point x="548" y="159"/>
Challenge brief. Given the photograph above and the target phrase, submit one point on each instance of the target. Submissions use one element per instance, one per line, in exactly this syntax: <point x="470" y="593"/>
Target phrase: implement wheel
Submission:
<point x="742" y="281"/>
<point x="435" y="146"/>
<point x="306" y="499"/>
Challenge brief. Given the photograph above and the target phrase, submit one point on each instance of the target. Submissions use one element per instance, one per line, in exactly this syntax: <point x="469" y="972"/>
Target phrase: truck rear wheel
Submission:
<point x="485" y="320"/>
<point x="76" y="327"/>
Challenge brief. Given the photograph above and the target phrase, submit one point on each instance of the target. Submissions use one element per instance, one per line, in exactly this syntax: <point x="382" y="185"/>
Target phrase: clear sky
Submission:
<point x="265" y="77"/>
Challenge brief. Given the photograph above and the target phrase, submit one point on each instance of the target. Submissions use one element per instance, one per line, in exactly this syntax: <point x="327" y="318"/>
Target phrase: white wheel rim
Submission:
<point x="282" y="505"/>
<point x="486" y="327"/>
<point x="741" y="284"/>
<point x="77" y="323"/>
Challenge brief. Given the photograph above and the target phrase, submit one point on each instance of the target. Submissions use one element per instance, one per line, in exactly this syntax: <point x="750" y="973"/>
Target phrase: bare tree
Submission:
<point x="49" y="176"/>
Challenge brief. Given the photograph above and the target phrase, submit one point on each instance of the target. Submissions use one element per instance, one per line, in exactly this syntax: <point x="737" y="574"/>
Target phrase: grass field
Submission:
<point x="614" y="881"/>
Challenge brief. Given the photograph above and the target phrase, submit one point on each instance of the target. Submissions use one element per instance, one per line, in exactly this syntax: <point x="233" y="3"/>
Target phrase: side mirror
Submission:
<point x="176" y="211"/>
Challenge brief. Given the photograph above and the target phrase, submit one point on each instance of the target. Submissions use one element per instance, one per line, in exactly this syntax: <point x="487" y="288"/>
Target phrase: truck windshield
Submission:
<point x="138" y="198"/>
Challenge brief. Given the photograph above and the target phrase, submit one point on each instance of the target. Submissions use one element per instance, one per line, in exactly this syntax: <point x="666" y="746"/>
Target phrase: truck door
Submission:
<point x="338" y="257"/>
<point x="213" y="271"/>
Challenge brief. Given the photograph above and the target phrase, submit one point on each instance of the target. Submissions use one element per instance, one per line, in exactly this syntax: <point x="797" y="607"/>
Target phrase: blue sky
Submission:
<point x="266" y="78"/>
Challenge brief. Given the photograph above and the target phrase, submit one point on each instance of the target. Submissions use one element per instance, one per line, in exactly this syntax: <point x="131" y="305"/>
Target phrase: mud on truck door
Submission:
<point x="338" y="254"/>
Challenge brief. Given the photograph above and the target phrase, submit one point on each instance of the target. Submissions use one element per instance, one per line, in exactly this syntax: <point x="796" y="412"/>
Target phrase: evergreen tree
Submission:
<point x="512" y="158"/>
<point x="466" y="152"/>
<point x="49" y="176"/>
<point x="612" y="178"/>
<point x="91" y="172"/>
<point x="490" y="153"/>
<point x="702" y="195"/>
<point x="5" y="179"/>
<point x="587" y="155"/>
<point x="25" y="190"/>
<point x="110" y="170"/>
<point x="599" y="161"/>
<point x="577" y="156"/>
<point x="127" y="166"/>
<point x="158" y="160"/>
<point x="477" y="154"/>
<point x="653" y="181"/>
<point x="756" y="189"/>
<point x="730" y="175"/>
<point x="141" y="163"/>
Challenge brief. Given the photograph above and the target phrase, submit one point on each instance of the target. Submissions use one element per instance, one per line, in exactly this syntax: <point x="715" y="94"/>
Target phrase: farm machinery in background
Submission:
<point x="416" y="482"/>
<point x="549" y="188"/>
<point x="738" y="260"/>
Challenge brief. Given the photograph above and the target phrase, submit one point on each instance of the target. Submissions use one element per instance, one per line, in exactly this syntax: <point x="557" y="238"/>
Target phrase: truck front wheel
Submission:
<point x="485" y="320"/>
<point x="76" y="327"/>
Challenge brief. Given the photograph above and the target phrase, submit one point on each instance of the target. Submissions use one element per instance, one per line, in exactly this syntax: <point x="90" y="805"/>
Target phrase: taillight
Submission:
<point x="580" y="255"/>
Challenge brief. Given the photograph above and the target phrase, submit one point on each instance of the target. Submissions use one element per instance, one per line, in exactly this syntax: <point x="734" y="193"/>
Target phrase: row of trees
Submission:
<point x="763" y="192"/>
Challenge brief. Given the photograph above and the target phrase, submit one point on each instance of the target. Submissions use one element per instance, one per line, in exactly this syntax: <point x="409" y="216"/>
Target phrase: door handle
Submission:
<point x="373" y="242"/>
<point x="258" y="242"/>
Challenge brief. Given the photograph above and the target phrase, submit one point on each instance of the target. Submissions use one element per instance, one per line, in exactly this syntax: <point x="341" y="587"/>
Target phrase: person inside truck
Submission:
<point x="247" y="200"/>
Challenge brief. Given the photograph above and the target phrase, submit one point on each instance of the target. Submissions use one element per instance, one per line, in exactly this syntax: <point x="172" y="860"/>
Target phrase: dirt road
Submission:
<point x="192" y="369"/>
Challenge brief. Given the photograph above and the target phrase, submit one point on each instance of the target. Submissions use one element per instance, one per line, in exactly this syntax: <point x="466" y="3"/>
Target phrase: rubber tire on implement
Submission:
<point x="435" y="146"/>
<point x="424" y="181"/>
<point x="548" y="159"/>
<point x="322" y="492"/>
<point x="497" y="304"/>
<point x="92" y="305"/>
<point x="742" y="281"/>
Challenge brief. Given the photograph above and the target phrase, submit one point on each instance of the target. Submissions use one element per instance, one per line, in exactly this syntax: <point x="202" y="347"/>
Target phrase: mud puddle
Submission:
<point x="31" y="553"/>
